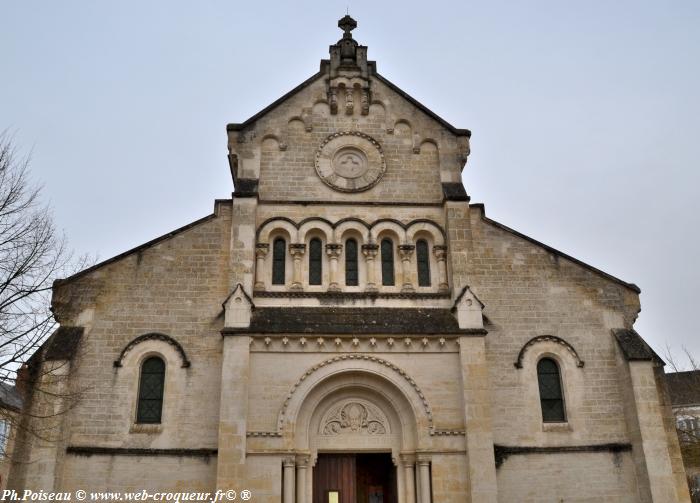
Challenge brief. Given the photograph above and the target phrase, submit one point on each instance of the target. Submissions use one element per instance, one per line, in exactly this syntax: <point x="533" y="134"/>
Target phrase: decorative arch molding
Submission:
<point x="154" y="337"/>
<point x="264" y="229"/>
<point x="548" y="338"/>
<point x="288" y="408"/>
<point x="272" y="224"/>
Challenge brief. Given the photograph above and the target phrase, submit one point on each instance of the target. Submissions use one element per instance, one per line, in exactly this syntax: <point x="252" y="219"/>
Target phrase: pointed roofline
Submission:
<point x="554" y="251"/>
<point x="147" y="244"/>
<point x="239" y="126"/>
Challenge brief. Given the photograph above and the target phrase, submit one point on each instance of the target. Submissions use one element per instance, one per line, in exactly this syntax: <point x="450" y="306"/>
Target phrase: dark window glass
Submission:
<point x="151" y="391"/>
<point x="315" y="261"/>
<point x="351" y="276"/>
<point x="278" y="261"/>
<point x="551" y="397"/>
<point x="387" y="251"/>
<point x="423" y="260"/>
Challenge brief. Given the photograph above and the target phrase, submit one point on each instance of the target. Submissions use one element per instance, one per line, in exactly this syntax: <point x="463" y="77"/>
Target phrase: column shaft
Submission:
<point x="424" y="473"/>
<point x="288" y="482"/>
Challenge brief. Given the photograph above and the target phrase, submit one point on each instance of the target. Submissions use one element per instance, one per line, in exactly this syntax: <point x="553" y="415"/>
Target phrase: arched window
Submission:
<point x="351" y="275"/>
<point x="315" y="261"/>
<point x="151" y="391"/>
<point x="423" y="259"/>
<point x="387" y="251"/>
<point x="551" y="396"/>
<point x="278" y="261"/>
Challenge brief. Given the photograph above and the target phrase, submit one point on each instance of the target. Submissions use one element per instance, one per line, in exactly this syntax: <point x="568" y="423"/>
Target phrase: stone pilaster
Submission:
<point x="650" y="443"/>
<point x="233" y="413"/>
<point x="477" y="419"/>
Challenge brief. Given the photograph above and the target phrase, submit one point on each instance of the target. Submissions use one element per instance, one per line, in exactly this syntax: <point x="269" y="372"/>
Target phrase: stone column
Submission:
<point x="261" y="250"/>
<point x="302" y="464"/>
<point x="424" y="474"/>
<point x="440" y="253"/>
<point x="406" y="252"/>
<point x="481" y="462"/>
<point x="370" y="253"/>
<point x="408" y="461"/>
<point x="333" y="251"/>
<point x="288" y="480"/>
<point x="297" y="251"/>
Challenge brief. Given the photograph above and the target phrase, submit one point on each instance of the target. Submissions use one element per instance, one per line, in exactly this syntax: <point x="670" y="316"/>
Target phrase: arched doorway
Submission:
<point x="355" y="427"/>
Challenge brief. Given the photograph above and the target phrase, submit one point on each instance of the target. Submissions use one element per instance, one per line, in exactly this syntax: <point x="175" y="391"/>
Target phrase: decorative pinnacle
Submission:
<point x="347" y="24"/>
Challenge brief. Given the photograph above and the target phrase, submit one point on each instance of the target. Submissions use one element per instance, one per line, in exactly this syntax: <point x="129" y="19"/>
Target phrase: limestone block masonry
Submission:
<point x="349" y="309"/>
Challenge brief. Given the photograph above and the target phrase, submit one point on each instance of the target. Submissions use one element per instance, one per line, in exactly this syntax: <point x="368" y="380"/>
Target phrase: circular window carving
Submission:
<point x="350" y="161"/>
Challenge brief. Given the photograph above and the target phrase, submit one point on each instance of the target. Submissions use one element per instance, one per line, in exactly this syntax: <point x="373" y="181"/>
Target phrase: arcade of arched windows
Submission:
<point x="351" y="256"/>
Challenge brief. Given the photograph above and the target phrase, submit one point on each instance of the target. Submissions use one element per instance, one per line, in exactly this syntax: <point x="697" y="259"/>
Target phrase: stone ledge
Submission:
<point x="91" y="450"/>
<point x="351" y="295"/>
<point x="502" y="452"/>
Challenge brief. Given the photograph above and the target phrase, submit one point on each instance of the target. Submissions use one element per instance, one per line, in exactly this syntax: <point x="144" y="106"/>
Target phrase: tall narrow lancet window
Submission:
<point x="278" y="261"/>
<point x="423" y="259"/>
<point x="387" y="255"/>
<point x="315" y="261"/>
<point x="351" y="275"/>
<point x="151" y="386"/>
<point x="551" y="396"/>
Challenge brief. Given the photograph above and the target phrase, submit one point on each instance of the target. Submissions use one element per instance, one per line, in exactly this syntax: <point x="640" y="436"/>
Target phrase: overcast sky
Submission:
<point x="585" y="116"/>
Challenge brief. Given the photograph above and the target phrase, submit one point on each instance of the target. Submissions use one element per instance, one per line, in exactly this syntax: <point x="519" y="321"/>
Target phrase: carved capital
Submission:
<point x="440" y="252"/>
<point x="405" y="251"/>
<point x="261" y="249"/>
<point x="370" y="250"/>
<point x="297" y="249"/>
<point x="288" y="462"/>
<point x="423" y="459"/>
<point x="408" y="459"/>
<point x="303" y="460"/>
<point x="333" y="250"/>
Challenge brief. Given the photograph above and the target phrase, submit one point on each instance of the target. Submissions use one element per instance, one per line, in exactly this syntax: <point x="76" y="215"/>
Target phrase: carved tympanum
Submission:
<point x="354" y="417"/>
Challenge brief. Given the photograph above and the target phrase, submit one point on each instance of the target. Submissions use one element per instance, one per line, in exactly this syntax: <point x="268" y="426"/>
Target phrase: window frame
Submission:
<point x="349" y="260"/>
<point x="138" y="420"/>
<point x="563" y="418"/>
<point x="276" y="261"/>
<point x="427" y="269"/>
<point x="391" y="262"/>
<point x="315" y="265"/>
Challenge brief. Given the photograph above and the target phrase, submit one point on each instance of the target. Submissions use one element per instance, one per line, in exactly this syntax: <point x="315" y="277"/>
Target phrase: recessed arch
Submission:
<point x="153" y="337"/>
<point x="349" y="365"/>
<point x="272" y="224"/>
<point x="416" y="227"/>
<point x="548" y="338"/>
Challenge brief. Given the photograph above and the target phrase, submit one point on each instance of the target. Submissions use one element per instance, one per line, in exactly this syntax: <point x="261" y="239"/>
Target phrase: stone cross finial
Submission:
<point x="347" y="24"/>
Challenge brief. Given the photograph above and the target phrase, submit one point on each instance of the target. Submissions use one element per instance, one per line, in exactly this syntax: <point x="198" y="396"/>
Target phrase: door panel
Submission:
<point x="334" y="472"/>
<point x="357" y="478"/>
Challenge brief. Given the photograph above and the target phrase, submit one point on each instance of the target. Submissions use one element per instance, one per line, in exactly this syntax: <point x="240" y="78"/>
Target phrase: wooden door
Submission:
<point x="335" y="472"/>
<point x="376" y="478"/>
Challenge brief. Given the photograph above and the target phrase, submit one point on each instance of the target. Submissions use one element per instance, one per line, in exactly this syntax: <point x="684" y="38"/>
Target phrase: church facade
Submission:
<point x="348" y="327"/>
